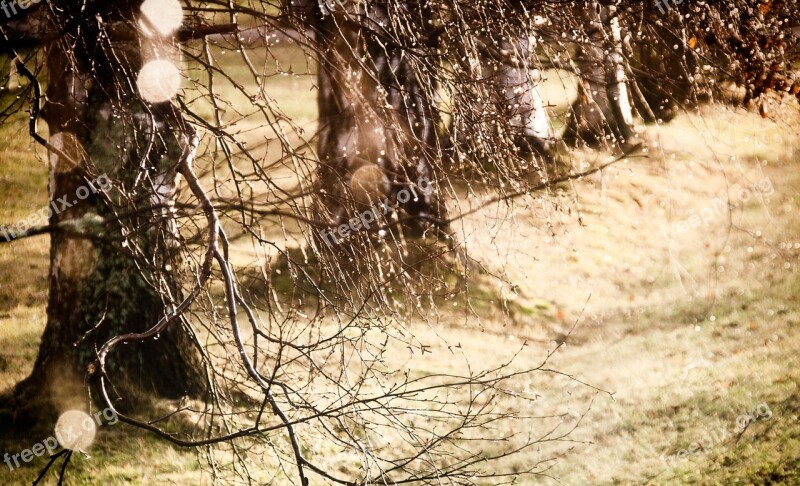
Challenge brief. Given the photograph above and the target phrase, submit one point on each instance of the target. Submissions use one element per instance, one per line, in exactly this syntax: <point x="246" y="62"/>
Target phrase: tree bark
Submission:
<point x="602" y="114"/>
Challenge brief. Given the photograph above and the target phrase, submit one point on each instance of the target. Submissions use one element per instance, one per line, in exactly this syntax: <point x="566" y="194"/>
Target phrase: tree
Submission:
<point x="378" y="121"/>
<point x="112" y="253"/>
<point x="665" y="79"/>
<point x="690" y="53"/>
<point x="603" y="111"/>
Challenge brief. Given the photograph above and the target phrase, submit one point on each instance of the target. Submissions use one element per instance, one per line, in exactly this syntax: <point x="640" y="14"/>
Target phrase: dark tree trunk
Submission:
<point x="602" y="114"/>
<point x="97" y="288"/>
<point x="665" y="78"/>
<point x="378" y="125"/>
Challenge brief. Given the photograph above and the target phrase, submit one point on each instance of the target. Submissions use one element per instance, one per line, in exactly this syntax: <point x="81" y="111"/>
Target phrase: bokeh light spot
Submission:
<point x="159" y="81"/>
<point x="165" y="16"/>
<point x="75" y="430"/>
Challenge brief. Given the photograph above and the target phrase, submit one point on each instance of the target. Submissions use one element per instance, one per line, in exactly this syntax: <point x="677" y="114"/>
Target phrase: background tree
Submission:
<point x="507" y="62"/>
<point x="376" y="107"/>
<point x="603" y="111"/>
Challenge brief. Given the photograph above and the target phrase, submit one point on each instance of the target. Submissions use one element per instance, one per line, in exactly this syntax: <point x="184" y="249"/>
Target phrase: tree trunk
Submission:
<point x="97" y="288"/>
<point x="665" y="78"/>
<point x="511" y="66"/>
<point x="378" y="124"/>
<point x="602" y="114"/>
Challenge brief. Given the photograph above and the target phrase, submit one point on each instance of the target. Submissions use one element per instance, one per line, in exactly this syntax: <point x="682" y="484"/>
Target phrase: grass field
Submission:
<point x="689" y="314"/>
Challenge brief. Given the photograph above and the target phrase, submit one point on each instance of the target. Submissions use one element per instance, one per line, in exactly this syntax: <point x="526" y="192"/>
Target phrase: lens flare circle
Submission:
<point x="75" y="430"/>
<point x="165" y="16"/>
<point x="159" y="81"/>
